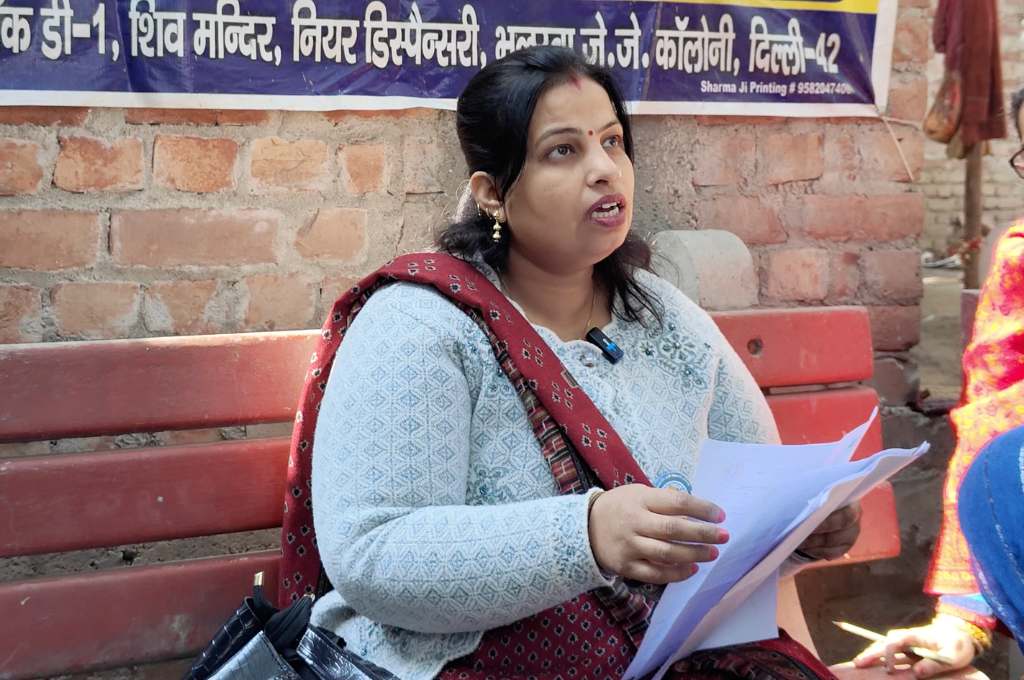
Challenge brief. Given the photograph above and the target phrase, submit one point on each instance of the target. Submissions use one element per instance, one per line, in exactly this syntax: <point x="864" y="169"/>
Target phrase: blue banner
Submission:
<point x="771" y="57"/>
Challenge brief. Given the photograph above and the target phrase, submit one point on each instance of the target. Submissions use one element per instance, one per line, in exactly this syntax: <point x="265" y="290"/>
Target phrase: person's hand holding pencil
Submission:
<point x="947" y="647"/>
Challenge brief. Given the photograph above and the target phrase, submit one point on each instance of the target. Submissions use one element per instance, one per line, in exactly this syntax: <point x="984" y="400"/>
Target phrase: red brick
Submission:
<point x="179" y="307"/>
<point x="333" y="287"/>
<point x="725" y="160"/>
<point x="89" y="164"/>
<point x="880" y="157"/>
<point x="43" y="115"/>
<point x="364" y="168"/>
<point x="842" y="159"/>
<point x="797" y="274"/>
<point x="48" y="240"/>
<point x="913" y="40"/>
<point x="20" y="310"/>
<point x="196" y="164"/>
<point x="280" y="303"/>
<point x="299" y="164"/>
<point x="894" y="329"/>
<point x="738" y="120"/>
<point x="20" y="171"/>
<point x="168" y="238"/>
<point x="416" y="114"/>
<point x="856" y="218"/>
<point x="844" y="276"/>
<point x="753" y="220"/>
<point x="425" y="165"/>
<point x="334" y="234"/>
<point x="96" y="310"/>
<point x="195" y="117"/>
<point x="908" y="97"/>
<point x="893" y="275"/>
<point x="784" y="157"/>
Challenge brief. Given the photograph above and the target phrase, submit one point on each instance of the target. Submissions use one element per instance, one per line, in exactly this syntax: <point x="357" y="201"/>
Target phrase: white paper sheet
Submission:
<point x="774" y="497"/>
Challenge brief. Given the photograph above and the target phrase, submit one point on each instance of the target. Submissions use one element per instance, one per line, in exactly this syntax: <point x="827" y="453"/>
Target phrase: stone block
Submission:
<point x="712" y="267"/>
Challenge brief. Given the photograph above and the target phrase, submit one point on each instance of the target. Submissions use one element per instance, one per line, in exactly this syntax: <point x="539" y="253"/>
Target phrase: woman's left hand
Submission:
<point x="835" y="536"/>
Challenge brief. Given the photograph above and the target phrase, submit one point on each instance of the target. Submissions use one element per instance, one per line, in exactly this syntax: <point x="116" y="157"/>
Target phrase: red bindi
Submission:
<point x="590" y="132"/>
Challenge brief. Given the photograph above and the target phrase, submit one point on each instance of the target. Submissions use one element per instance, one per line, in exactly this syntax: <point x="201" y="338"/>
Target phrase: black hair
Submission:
<point x="1015" y="105"/>
<point x="493" y="120"/>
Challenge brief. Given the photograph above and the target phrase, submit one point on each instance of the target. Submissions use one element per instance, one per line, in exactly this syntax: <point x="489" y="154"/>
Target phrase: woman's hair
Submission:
<point x="493" y="121"/>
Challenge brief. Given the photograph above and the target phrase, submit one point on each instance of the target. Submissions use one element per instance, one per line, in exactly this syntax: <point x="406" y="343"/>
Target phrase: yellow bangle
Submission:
<point x="981" y="637"/>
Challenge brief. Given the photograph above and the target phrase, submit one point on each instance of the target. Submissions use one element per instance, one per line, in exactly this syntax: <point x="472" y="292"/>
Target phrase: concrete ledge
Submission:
<point x="712" y="267"/>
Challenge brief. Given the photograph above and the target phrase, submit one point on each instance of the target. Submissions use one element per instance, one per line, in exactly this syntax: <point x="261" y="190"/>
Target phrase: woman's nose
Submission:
<point x="603" y="168"/>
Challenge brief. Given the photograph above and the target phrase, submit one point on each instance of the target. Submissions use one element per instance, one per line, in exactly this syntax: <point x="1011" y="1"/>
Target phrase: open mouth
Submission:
<point x="607" y="210"/>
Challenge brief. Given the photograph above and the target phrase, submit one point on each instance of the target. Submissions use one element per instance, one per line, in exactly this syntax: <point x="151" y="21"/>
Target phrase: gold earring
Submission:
<point x="496" y="234"/>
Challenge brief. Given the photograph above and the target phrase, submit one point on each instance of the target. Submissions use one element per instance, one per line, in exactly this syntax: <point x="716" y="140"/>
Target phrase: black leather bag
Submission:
<point x="259" y="642"/>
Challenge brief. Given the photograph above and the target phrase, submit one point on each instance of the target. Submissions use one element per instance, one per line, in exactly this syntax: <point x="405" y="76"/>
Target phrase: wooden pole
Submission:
<point x="972" y="216"/>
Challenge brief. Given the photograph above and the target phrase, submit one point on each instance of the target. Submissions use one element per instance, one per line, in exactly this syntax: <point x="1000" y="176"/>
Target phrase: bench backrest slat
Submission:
<point x="87" y="500"/>
<point x="55" y="390"/>
<point x="78" y="501"/>
<point x="122" y="616"/>
<point x="809" y="346"/>
<point x="148" y="385"/>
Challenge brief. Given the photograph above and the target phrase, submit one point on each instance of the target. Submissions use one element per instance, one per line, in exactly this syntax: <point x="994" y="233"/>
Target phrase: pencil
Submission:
<point x="876" y="637"/>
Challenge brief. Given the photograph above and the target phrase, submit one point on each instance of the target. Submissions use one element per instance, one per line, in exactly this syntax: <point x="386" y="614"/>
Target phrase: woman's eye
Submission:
<point x="613" y="141"/>
<point x="561" y="151"/>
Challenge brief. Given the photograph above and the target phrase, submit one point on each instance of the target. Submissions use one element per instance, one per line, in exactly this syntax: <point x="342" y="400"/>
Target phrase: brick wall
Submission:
<point x="942" y="181"/>
<point x="131" y="223"/>
<point x="125" y="223"/>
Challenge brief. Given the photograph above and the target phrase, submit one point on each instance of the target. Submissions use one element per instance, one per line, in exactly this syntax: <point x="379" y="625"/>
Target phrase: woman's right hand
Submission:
<point x="654" y="535"/>
<point x="943" y="635"/>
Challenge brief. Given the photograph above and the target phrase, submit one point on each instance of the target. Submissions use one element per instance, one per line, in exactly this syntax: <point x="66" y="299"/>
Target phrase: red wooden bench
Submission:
<point x="809" y="361"/>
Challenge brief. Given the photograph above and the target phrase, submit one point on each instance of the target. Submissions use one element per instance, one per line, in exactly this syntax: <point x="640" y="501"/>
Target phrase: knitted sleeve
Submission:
<point x="390" y="464"/>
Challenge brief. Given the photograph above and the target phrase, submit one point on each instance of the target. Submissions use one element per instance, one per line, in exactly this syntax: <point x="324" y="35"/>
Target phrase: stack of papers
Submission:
<point x="774" y="498"/>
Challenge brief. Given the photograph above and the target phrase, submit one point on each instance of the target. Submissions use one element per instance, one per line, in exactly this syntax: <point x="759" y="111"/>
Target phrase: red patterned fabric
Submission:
<point x="576" y="639"/>
<point x="781" y="659"/>
<point x="992" y="402"/>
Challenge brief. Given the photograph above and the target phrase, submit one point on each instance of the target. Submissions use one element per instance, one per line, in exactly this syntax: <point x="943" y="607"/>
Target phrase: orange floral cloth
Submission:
<point x="992" y="401"/>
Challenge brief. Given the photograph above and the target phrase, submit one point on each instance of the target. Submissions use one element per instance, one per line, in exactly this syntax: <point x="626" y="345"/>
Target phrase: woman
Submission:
<point x="967" y="612"/>
<point x="461" y="449"/>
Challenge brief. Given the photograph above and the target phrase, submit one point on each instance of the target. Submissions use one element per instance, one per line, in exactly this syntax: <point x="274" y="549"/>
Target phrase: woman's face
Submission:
<point x="572" y="205"/>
